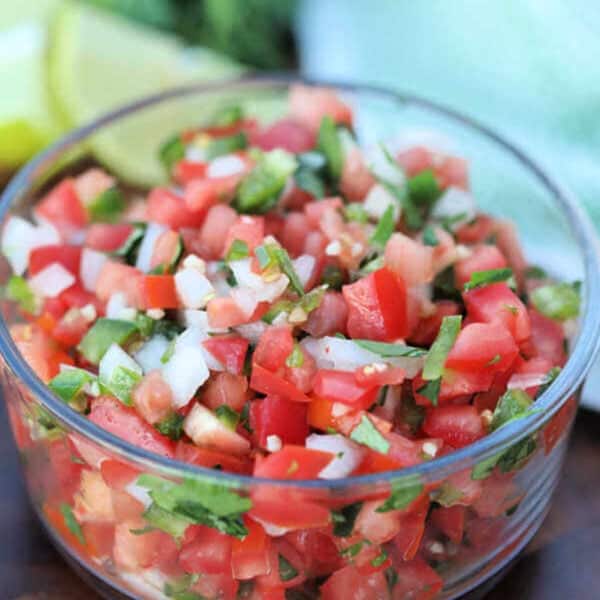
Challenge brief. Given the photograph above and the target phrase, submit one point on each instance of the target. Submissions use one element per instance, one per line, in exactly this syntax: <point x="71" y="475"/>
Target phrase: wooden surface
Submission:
<point x="562" y="562"/>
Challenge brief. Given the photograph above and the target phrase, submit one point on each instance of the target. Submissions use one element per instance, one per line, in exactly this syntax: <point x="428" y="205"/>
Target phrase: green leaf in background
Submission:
<point x="560" y="301"/>
<point x="328" y="142"/>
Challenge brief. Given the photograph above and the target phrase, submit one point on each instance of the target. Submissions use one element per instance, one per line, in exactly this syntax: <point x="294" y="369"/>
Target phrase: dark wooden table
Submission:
<point x="561" y="563"/>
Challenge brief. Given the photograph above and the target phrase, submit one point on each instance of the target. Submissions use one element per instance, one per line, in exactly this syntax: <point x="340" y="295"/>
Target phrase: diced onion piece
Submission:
<point x="224" y="166"/>
<point x="377" y="202"/>
<point x="141" y="588"/>
<point x="246" y="299"/>
<point x="456" y="205"/>
<point x="206" y="430"/>
<point x="144" y="257"/>
<point x="20" y="237"/>
<point x="304" y="266"/>
<point x="139" y="493"/>
<point x="117" y="307"/>
<point x="113" y="358"/>
<point x="51" y="281"/>
<point x="150" y="354"/>
<point x="252" y="331"/>
<point x="524" y="381"/>
<point x="382" y="167"/>
<point x="193" y="288"/>
<point x="198" y="318"/>
<point x="265" y="291"/>
<point x="185" y="372"/>
<point x="91" y="264"/>
<point x="347" y="454"/>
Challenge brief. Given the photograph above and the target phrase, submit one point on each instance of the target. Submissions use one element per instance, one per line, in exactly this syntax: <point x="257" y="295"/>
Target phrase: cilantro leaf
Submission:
<point x="558" y="302"/>
<point x="171" y="152"/>
<point x="384" y="228"/>
<point x="429" y="236"/>
<point x="367" y="434"/>
<point x="287" y="571"/>
<point x="171" y="426"/>
<point x="17" y="289"/>
<point x="423" y="188"/>
<point x="159" y="518"/>
<point x="390" y="350"/>
<point x="296" y="357"/>
<point x="404" y="491"/>
<point x="431" y="390"/>
<point x="434" y="362"/>
<point x="71" y="522"/>
<point x="513" y="404"/>
<point x="238" y="250"/>
<point x="481" y="278"/>
<point x="229" y="417"/>
<point x="69" y="384"/>
<point x="307" y="180"/>
<point x="329" y="143"/>
<point x="344" y="519"/>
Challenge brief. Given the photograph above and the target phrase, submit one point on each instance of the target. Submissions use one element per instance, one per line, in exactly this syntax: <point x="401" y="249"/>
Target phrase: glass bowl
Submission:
<point x="66" y="457"/>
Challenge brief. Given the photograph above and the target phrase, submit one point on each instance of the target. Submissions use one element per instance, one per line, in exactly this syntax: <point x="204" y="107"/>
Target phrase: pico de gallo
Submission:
<point x="292" y="306"/>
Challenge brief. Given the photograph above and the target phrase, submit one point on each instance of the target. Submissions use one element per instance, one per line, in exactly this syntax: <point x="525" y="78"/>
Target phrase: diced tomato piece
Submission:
<point x="547" y="338"/>
<point x="406" y="451"/>
<point x="412" y="528"/>
<point x="273" y="580"/>
<point x="314" y="211"/>
<point x="99" y="538"/>
<point x="488" y="346"/>
<point x="276" y="416"/>
<point x="356" y="179"/>
<point x="286" y="134"/>
<point x="116" y="277"/>
<point x="349" y="582"/>
<point x="71" y="328"/>
<point x="302" y="377"/>
<point x="158" y="291"/>
<point x="63" y="208"/>
<point x="341" y="386"/>
<point x="78" y="297"/>
<point x="250" y="556"/>
<point x="166" y="207"/>
<point x="452" y="171"/>
<point x="107" y="237"/>
<point x="250" y="230"/>
<point x="450" y="521"/>
<point x="509" y="244"/>
<point x="224" y="313"/>
<point x="367" y="377"/>
<point x="476" y="231"/>
<point x="39" y="350"/>
<point x="375" y="462"/>
<point x="308" y="105"/>
<point x="417" y="580"/>
<point x="427" y="330"/>
<point x="320" y="415"/>
<point x="329" y="317"/>
<point x="500" y="493"/>
<point x="455" y="383"/>
<point x="205" y="550"/>
<point x="165" y="249"/>
<point x="189" y="170"/>
<point x="497" y="303"/>
<point x="202" y="194"/>
<point x="225" y="389"/>
<point x="558" y="425"/>
<point x="133" y="552"/>
<point x="457" y="425"/>
<point x="219" y="585"/>
<point x="377" y="527"/>
<point x="273" y="348"/>
<point x="294" y="232"/>
<point x="210" y="459"/>
<point x="414" y="160"/>
<point x="286" y="511"/>
<point x="267" y="382"/>
<point x="293" y="462"/>
<point x="43" y="256"/>
<point x="116" y="474"/>
<point x="483" y="258"/>
<point x="213" y="234"/>
<point x="112" y="415"/>
<point x="377" y="307"/>
<point x="409" y="259"/>
<point x="318" y="551"/>
<point x="56" y="520"/>
<point x="229" y="350"/>
<point x="152" y="397"/>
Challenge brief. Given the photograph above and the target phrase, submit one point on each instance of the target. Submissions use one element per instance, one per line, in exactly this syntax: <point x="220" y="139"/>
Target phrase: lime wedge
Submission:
<point x="13" y="13"/>
<point x="27" y="122"/>
<point x="99" y="61"/>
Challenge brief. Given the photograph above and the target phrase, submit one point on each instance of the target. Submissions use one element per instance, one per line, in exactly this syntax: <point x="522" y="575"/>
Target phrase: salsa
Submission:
<point x="292" y="306"/>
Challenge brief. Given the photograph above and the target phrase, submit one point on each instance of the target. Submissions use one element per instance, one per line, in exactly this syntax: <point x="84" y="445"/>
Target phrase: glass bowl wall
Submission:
<point x="502" y="512"/>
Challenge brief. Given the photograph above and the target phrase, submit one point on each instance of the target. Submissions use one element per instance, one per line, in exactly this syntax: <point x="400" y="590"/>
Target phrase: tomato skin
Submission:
<point x="318" y="551"/>
<point x="377" y="307"/>
<point x="476" y="232"/>
<point x="158" y="291"/>
<point x="272" y="580"/>
<point x="350" y="583"/>
<point x="412" y="529"/>
<point x="204" y="457"/>
<point x="457" y="425"/>
<point x="43" y="256"/>
<point x="341" y="386"/>
<point x="188" y="170"/>
<point x="329" y="317"/>
<point x="205" y="550"/>
<point x="169" y="209"/>
<point x="416" y="580"/>
<point x="63" y="208"/>
<point x="450" y="521"/>
<point x="250" y="556"/>
<point x="428" y="328"/>
<point x="500" y="494"/>
<point x="308" y="105"/>
<point x="483" y="258"/>
<point x="267" y="382"/>
<point x="229" y="350"/>
<point x="276" y="416"/>
<point x="224" y="313"/>
<point x="250" y="230"/>
<point x="116" y="277"/>
<point x="273" y="348"/>
<point x="547" y="338"/>
<point x="201" y="194"/>
<point x="114" y="417"/>
<point x="77" y="297"/>
<point x="388" y="376"/>
<point x="213" y="234"/>
<point x="117" y="475"/>
<point x="497" y="303"/>
<point x="286" y="134"/>
<point x="165" y="250"/>
<point x="70" y="329"/>
<point x="455" y="383"/>
<point x="488" y="346"/>
<point x="107" y="237"/>
<point x="288" y="511"/>
<point x="409" y="259"/>
<point x="356" y="179"/>
<point x="293" y="463"/>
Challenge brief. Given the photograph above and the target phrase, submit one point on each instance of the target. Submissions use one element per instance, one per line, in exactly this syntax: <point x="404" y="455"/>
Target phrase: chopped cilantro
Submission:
<point x="296" y="357"/>
<point x="481" y="278"/>
<point x="237" y="251"/>
<point x="171" y="426"/>
<point x="355" y="211"/>
<point x="390" y="350"/>
<point x="550" y="377"/>
<point x="272" y="254"/>
<point x="559" y="302"/>
<point x="121" y="383"/>
<point x="367" y="434"/>
<point x="379" y="559"/>
<point x="229" y="417"/>
<point x="17" y="289"/>
<point x="159" y="518"/>
<point x="353" y="550"/>
<point x="333" y="277"/>
<point x="227" y="116"/>
<point x="534" y="272"/>
<point x="287" y="571"/>
<point x="307" y="180"/>
<point x="384" y="228"/>
<point x="495" y="360"/>
<point x="423" y="188"/>
<point x="513" y="404"/>
<point x="434" y="362"/>
<point x="429" y="236"/>
<point x="225" y="145"/>
<point x="71" y="522"/>
<point x="171" y="152"/>
<point x="108" y="206"/>
<point x="128" y="248"/>
<point x="431" y="390"/>
<point x="329" y="143"/>
<point x="344" y="519"/>
<point x="404" y="491"/>
<point x="69" y="385"/>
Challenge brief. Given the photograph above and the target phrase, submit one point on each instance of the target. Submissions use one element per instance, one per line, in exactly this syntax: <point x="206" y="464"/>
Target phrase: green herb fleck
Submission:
<point x="356" y="212"/>
<point x="287" y="571"/>
<point x="384" y="228"/>
<point x="430" y="237"/>
<point x="69" y="385"/>
<point x="367" y="434"/>
<point x="333" y="277"/>
<point x="534" y="272"/>
<point x="329" y="143"/>
<point x="229" y="417"/>
<point x="71" y="522"/>
<point x="379" y="559"/>
<point x="423" y="188"/>
<point x="296" y="357"/>
<point x="431" y="390"/>
<point x="390" y="350"/>
<point x="344" y="518"/>
<point x="17" y="289"/>
<point x="309" y="181"/>
<point x="558" y="302"/>
<point x="225" y="145"/>
<point x="404" y="491"/>
<point x="237" y="251"/>
<point x="108" y="206"/>
<point x="171" y="152"/>
<point x="434" y="362"/>
<point x="482" y="278"/>
<point x="171" y="426"/>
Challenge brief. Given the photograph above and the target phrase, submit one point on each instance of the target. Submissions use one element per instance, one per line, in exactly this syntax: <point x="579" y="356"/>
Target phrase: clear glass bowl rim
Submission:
<point x="572" y="375"/>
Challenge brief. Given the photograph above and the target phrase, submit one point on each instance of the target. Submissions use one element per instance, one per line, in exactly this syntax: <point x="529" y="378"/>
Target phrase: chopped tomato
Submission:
<point x="267" y="382"/>
<point x="342" y="386"/>
<point x="318" y="551"/>
<point x="107" y="237"/>
<point x="116" y="277"/>
<point x="329" y="317"/>
<point x="250" y="230"/>
<point x="62" y="207"/>
<point x="456" y="425"/>
<point x="500" y="493"/>
<point x="213" y="233"/>
<point x="168" y="208"/>
<point x="428" y="328"/>
<point x="547" y="338"/>
<point x="559" y="424"/>
<point x="450" y="521"/>
<point x="376" y="307"/>
<point x="308" y="105"/>
<point x="349" y="582"/>
<point x="43" y="256"/>
<point x="165" y="249"/>
<point x="282" y="549"/>
<point x="71" y="328"/>
<point x="201" y="194"/>
<point x="205" y="550"/>
<point x="114" y="417"/>
<point x="158" y="291"/>
<point x="224" y="313"/>
<point x="229" y="350"/>
<point x="409" y="259"/>
<point x="293" y="462"/>
<point x="116" y="474"/>
<point x="281" y="510"/>
<point x="286" y="134"/>
<point x="186" y="171"/>
<point x="356" y="179"/>
<point x="476" y="231"/>
<point x="276" y="416"/>
<point x="412" y="528"/>
<point x="39" y="350"/>
<point x="273" y="348"/>
<point x="497" y="303"/>
<point x="210" y="459"/>
<point x="483" y="258"/>
<point x="378" y="376"/>
<point x="416" y="580"/>
<point x="293" y="235"/>
<point x="152" y="398"/>
<point x="250" y="556"/>
<point x="455" y="384"/>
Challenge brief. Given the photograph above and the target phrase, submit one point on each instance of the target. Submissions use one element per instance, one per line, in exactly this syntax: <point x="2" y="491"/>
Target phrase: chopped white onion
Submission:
<point x="252" y="331"/>
<point x="116" y="357"/>
<point x="347" y="454"/>
<point x="378" y="200"/>
<point x="193" y="288"/>
<point x="193" y="337"/>
<point x="453" y="203"/>
<point x="198" y="318"/>
<point x="90" y="266"/>
<point x="144" y="257"/>
<point x="246" y="299"/>
<point x="52" y="280"/>
<point x="224" y="166"/>
<point x="345" y="355"/>
<point x="141" y="588"/>
<point x="272" y="530"/>
<point x="304" y="266"/>
<point x="19" y="237"/>
<point x="265" y="291"/>
<point x="150" y="354"/>
<point x="117" y="307"/>
<point x="139" y="493"/>
<point x="524" y="381"/>
<point x="185" y="372"/>
<point x="382" y="167"/>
